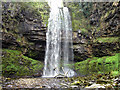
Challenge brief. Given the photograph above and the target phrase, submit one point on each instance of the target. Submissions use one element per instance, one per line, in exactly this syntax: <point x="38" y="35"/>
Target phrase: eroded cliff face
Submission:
<point x="106" y="19"/>
<point x="102" y="38"/>
<point x="22" y="29"/>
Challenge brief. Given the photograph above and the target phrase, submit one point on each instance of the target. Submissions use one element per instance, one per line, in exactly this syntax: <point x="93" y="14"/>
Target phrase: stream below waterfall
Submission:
<point x="34" y="83"/>
<point x="94" y="81"/>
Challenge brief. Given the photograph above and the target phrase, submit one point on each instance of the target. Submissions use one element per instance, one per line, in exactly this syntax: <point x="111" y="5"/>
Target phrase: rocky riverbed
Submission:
<point x="33" y="83"/>
<point x="94" y="81"/>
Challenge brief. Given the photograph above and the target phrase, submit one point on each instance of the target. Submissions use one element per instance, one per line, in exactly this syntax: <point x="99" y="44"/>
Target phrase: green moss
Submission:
<point x="108" y="13"/>
<point x="19" y="39"/>
<point x="78" y="17"/>
<point x="107" y="39"/>
<point x="83" y="30"/>
<point x="33" y="53"/>
<point x="41" y="8"/>
<point x="14" y="63"/>
<point x="98" y="65"/>
<point x="115" y="73"/>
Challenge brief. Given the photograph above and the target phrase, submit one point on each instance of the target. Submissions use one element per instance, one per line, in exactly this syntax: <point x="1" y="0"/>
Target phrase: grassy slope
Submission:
<point x="98" y="65"/>
<point x="107" y="39"/>
<point x="15" y="63"/>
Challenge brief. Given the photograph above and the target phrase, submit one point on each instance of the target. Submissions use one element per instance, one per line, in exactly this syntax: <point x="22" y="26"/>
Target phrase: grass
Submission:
<point x="107" y="39"/>
<point x="98" y="65"/>
<point x="15" y="63"/>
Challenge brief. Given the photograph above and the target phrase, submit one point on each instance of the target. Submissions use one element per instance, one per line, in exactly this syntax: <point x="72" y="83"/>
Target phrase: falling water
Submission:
<point x="59" y="48"/>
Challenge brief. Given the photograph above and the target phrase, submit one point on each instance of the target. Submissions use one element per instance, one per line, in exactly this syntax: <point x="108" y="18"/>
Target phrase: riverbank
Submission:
<point x="93" y="81"/>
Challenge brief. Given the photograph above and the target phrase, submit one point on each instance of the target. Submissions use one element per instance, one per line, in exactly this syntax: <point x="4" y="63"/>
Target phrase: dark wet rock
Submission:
<point x="8" y="40"/>
<point x="102" y="81"/>
<point x="81" y="48"/>
<point x="60" y="76"/>
<point x="104" y="49"/>
<point x="81" y="53"/>
<point x="38" y="74"/>
<point x="108" y="14"/>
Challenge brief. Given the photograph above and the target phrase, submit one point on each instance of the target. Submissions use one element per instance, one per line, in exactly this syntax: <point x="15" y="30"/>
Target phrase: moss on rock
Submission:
<point x="107" y="64"/>
<point x="107" y="39"/>
<point x="14" y="63"/>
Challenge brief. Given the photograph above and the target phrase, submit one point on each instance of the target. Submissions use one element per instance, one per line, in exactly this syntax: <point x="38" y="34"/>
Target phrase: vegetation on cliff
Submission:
<point x="95" y="65"/>
<point x="14" y="63"/>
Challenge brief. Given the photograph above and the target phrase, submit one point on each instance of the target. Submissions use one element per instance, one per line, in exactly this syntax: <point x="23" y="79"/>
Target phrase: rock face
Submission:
<point x="34" y="32"/>
<point x="105" y="49"/>
<point x="23" y="28"/>
<point x="105" y="17"/>
<point x="8" y="40"/>
<point x="103" y="38"/>
<point x="81" y="48"/>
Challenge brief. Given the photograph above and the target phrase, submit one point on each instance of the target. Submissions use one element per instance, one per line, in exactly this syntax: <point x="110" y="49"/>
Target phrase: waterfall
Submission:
<point x="59" y="45"/>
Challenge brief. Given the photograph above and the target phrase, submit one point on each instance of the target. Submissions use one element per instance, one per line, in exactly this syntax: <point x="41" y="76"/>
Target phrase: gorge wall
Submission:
<point x="96" y="32"/>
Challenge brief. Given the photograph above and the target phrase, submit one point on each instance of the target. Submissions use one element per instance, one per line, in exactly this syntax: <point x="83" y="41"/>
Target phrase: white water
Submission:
<point x="59" y="48"/>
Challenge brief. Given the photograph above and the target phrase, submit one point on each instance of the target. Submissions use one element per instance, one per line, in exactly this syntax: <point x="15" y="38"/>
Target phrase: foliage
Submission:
<point x="80" y="15"/>
<point x="15" y="63"/>
<point x="41" y="8"/>
<point x="86" y="8"/>
<point x="98" y="65"/>
<point x="108" y="39"/>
